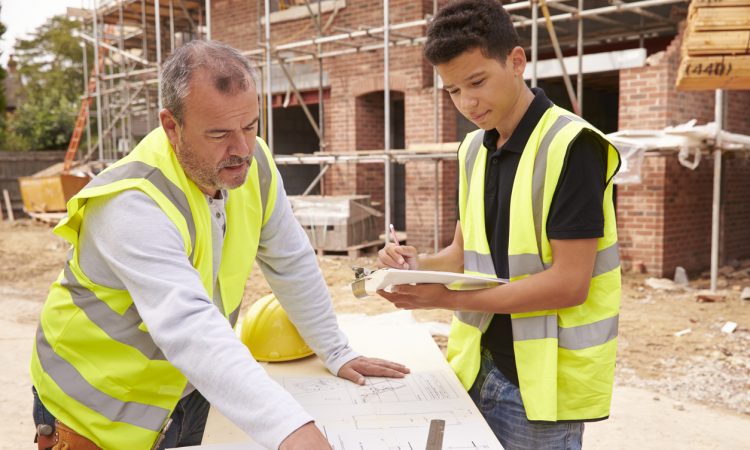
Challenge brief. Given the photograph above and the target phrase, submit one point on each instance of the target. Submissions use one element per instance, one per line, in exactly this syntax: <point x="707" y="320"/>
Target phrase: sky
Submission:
<point x="22" y="17"/>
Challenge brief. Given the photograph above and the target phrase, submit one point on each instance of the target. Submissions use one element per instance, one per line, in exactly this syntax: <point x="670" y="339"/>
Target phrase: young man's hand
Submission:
<point x="357" y="369"/>
<point x="398" y="257"/>
<point x="306" y="437"/>
<point x="420" y="296"/>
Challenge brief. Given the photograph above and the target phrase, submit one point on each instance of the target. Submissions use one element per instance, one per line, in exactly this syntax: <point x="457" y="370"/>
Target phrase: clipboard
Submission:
<point x="369" y="282"/>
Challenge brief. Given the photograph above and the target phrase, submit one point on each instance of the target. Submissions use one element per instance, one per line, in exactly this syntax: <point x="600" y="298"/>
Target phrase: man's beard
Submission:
<point x="203" y="175"/>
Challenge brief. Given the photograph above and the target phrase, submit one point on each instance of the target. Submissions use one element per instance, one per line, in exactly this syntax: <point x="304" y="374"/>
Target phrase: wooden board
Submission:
<point x="719" y="19"/>
<point x="719" y="3"/>
<point x="714" y="72"/>
<point x="717" y="43"/>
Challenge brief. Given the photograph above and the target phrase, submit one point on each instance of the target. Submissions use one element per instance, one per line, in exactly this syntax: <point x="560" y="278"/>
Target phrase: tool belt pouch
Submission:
<point x="65" y="438"/>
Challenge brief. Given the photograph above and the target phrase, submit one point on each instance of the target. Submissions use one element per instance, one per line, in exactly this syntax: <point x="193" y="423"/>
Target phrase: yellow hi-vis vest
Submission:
<point x="94" y="364"/>
<point x="565" y="358"/>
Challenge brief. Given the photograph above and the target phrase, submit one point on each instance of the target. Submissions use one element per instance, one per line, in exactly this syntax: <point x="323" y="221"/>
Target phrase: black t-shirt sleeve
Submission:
<point x="576" y="211"/>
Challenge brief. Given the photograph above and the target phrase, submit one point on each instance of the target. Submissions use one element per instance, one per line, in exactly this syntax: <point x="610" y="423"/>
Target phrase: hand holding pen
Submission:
<point x="397" y="256"/>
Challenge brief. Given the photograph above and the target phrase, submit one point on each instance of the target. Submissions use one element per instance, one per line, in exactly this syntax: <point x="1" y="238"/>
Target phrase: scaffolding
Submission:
<point x="136" y="35"/>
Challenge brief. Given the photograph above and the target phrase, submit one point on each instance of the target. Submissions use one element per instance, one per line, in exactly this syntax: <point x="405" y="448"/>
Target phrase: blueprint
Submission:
<point x="391" y="413"/>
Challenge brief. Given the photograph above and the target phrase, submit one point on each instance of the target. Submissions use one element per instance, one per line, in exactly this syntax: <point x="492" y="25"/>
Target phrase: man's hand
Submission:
<point x="398" y="257"/>
<point x="420" y="296"/>
<point x="305" y="437"/>
<point x="357" y="369"/>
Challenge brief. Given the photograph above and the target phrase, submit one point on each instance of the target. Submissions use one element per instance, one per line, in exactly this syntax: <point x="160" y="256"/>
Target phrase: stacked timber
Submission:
<point x="716" y="47"/>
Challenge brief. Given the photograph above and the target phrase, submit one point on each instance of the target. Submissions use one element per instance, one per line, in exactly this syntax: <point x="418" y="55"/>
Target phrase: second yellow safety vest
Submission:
<point x="565" y="358"/>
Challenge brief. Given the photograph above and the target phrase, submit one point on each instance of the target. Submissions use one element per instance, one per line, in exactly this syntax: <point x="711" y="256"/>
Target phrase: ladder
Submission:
<point x="83" y="116"/>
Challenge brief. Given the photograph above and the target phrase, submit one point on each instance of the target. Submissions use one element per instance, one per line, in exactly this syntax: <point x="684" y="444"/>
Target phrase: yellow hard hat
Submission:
<point x="270" y="335"/>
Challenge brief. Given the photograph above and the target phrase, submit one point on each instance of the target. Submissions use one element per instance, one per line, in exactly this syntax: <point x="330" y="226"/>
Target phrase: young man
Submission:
<point x="136" y="335"/>
<point x="535" y="199"/>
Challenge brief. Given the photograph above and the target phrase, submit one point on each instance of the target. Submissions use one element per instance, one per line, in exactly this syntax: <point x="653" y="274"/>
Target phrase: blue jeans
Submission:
<point x="499" y="401"/>
<point x="188" y="420"/>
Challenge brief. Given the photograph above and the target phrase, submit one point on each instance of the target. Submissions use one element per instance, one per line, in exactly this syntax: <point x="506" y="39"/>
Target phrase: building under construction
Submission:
<point x="346" y="114"/>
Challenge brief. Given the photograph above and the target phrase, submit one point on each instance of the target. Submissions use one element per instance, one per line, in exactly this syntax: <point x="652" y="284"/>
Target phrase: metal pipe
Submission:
<point x="321" y="113"/>
<point x="341" y="36"/>
<point x="387" y="116"/>
<point x="716" y="206"/>
<point x="157" y="24"/>
<point x="301" y="100"/>
<point x="98" y="88"/>
<point x="316" y="179"/>
<point x="208" y="20"/>
<point x="88" y="94"/>
<point x="534" y="42"/>
<point x="349" y="51"/>
<point x="579" y="76"/>
<point x="558" y="53"/>
<point x="144" y="43"/>
<point x="436" y="191"/>
<point x="171" y="26"/>
<point x="130" y="73"/>
<point x="269" y="94"/>
<point x="604" y="10"/>
<point x="112" y="48"/>
<point x="435" y="94"/>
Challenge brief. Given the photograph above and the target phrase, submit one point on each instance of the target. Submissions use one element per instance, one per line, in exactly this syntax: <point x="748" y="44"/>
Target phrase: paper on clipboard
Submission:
<point x="382" y="279"/>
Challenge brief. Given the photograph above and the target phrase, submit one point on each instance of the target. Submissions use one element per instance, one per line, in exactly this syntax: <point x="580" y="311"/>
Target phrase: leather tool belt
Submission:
<point x="62" y="438"/>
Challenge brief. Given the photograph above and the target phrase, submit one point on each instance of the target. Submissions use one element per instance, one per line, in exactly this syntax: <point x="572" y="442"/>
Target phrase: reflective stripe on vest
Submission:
<point x="120" y="327"/>
<point x="574" y="338"/>
<point x="73" y="384"/>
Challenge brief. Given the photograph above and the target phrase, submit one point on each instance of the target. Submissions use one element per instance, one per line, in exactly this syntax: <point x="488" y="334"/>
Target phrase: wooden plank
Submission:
<point x="719" y="3"/>
<point x="714" y="72"/>
<point x="717" y="43"/>
<point x="720" y="19"/>
<point x="8" y="207"/>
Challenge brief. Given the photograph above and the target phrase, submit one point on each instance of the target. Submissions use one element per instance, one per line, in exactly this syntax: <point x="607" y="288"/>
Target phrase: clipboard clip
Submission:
<point x="360" y="276"/>
<point x="361" y="272"/>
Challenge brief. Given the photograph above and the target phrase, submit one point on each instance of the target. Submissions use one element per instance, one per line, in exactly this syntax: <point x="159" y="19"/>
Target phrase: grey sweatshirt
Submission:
<point x="127" y="242"/>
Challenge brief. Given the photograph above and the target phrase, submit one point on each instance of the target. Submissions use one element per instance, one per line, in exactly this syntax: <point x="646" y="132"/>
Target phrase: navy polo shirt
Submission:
<point x="576" y="211"/>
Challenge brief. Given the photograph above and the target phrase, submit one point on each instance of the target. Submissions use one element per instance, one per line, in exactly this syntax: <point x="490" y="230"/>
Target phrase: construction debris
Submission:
<point x="729" y="327"/>
<point x="683" y="332"/>
<point x="680" y="276"/>
<point x="662" y="284"/>
<point x="708" y="297"/>
<point x="745" y="295"/>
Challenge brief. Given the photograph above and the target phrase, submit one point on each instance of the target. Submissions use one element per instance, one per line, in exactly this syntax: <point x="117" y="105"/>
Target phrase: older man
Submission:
<point x="136" y="338"/>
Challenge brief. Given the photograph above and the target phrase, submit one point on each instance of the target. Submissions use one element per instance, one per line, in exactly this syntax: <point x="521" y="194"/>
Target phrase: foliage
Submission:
<point x="50" y="65"/>
<point x="3" y="74"/>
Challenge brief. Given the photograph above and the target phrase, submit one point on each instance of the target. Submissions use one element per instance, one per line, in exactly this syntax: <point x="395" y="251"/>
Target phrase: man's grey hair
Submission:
<point x="230" y="72"/>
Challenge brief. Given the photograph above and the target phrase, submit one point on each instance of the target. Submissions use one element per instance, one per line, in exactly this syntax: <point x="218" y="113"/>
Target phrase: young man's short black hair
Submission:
<point x="469" y="24"/>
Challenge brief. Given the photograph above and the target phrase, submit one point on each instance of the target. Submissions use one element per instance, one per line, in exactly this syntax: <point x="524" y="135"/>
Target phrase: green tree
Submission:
<point x="50" y="63"/>
<point x="3" y="74"/>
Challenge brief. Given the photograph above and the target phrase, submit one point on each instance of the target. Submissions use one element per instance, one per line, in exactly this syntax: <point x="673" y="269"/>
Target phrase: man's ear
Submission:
<point x="170" y="125"/>
<point x="517" y="58"/>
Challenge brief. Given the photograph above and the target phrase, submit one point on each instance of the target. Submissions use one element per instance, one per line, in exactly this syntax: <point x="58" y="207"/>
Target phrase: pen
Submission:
<point x="393" y="235"/>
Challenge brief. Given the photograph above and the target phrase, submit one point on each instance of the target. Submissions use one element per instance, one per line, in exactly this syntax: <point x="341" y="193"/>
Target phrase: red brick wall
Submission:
<point x="354" y="112"/>
<point x="666" y="220"/>
<point x="687" y="215"/>
<point x="420" y="203"/>
<point x="640" y="220"/>
<point x="735" y="236"/>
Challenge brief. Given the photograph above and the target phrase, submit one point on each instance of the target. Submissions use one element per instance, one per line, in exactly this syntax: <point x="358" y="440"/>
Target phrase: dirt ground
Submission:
<point x="691" y="390"/>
